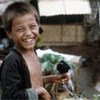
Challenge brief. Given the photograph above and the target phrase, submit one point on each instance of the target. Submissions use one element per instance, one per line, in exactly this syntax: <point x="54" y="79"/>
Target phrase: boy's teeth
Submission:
<point x="29" y="40"/>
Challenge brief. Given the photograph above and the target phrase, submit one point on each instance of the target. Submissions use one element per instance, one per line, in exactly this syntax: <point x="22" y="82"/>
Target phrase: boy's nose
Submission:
<point x="28" y="32"/>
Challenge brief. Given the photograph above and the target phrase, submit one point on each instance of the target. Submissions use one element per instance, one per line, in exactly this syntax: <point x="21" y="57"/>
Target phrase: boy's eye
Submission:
<point x="20" y="30"/>
<point x="33" y="26"/>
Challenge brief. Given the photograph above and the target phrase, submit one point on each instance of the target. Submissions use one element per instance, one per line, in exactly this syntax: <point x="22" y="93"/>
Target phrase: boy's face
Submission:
<point x="25" y="31"/>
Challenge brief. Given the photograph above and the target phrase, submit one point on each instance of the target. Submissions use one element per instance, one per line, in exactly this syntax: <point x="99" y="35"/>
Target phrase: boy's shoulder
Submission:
<point x="13" y="54"/>
<point x="13" y="57"/>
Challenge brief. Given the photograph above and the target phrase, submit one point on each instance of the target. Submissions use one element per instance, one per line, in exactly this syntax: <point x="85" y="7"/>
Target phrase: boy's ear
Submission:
<point x="40" y="30"/>
<point x="8" y="34"/>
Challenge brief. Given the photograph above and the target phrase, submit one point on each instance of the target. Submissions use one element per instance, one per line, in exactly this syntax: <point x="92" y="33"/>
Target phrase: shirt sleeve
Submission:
<point x="32" y="95"/>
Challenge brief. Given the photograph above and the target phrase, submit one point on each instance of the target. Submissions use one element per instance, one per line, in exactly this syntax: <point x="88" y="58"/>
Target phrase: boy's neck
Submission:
<point x="23" y="51"/>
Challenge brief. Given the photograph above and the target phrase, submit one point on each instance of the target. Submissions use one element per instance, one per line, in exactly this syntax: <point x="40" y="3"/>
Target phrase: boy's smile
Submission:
<point x="25" y="31"/>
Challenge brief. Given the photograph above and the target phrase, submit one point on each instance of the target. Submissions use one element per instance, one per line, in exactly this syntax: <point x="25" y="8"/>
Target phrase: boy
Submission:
<point x="21" y="74"/>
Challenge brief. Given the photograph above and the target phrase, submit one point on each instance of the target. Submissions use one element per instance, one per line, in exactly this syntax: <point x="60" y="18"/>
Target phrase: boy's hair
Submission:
<point x="17" y="9"/>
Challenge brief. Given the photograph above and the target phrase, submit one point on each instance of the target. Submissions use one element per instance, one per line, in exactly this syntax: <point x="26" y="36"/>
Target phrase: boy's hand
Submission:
<point x="43" y="94"/>
<point x="60" y="78"/>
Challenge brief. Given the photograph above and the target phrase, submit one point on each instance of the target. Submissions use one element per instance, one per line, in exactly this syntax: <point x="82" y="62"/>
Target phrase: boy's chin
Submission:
<point x="29" y="47"/>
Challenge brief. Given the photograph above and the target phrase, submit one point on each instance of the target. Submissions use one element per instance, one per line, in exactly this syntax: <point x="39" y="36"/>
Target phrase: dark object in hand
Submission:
<point x="63" y="67"/>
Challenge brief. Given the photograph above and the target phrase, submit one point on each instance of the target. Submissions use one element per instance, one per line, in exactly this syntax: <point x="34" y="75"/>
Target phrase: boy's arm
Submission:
<point x="55" y="78"/>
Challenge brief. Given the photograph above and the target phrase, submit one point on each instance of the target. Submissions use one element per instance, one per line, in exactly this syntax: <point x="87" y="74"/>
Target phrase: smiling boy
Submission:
<point x="21" y="74"/>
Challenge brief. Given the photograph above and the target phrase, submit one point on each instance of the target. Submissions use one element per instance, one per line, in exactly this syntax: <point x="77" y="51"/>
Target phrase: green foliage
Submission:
<point x="51" y="57"/>
<point x="48" y="62"/>
<point x="96" y="97"/>
<point x="47" y="68"/>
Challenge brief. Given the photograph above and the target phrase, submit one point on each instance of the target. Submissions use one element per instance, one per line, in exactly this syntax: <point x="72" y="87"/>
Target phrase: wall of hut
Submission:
<point x="67" y="34"/>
